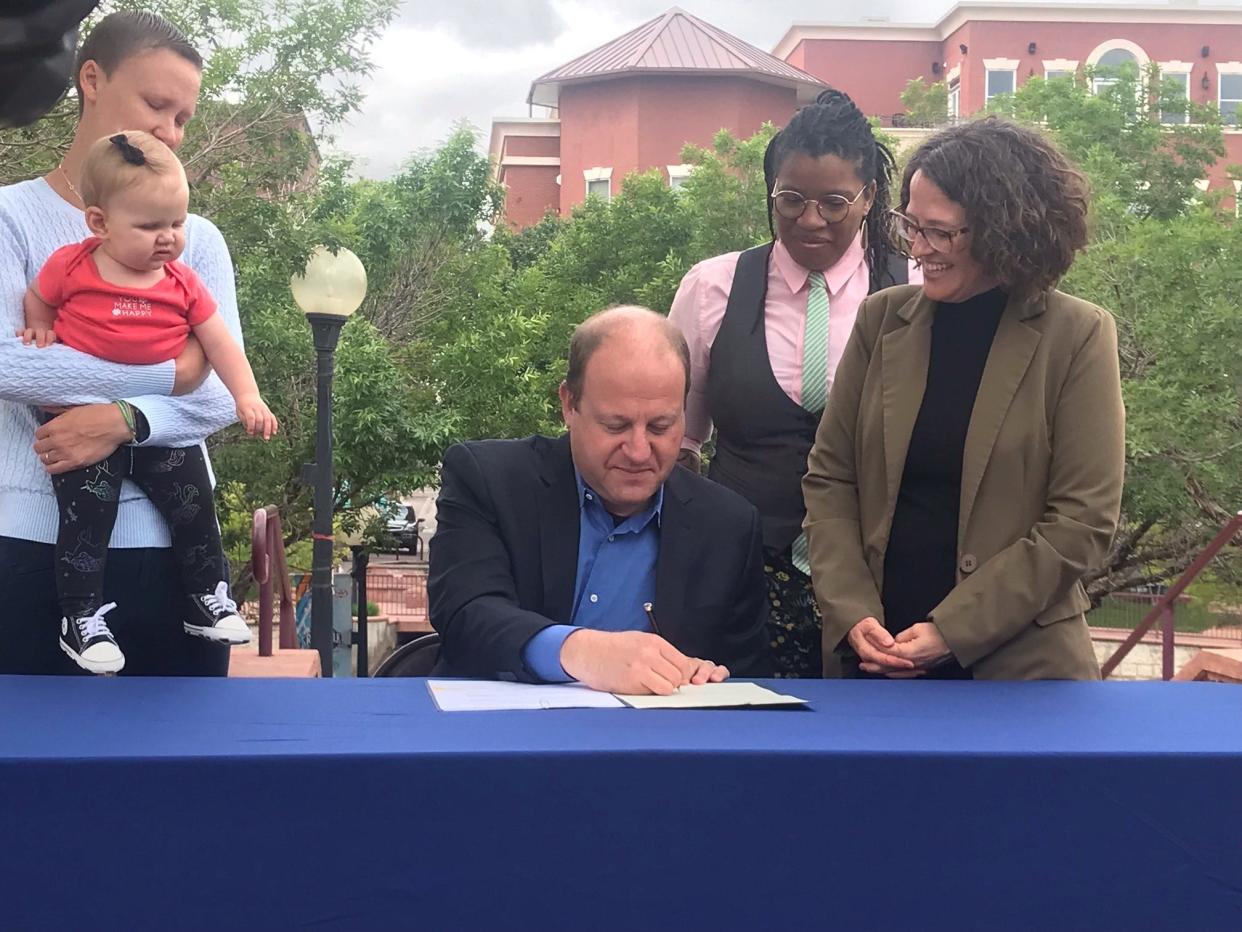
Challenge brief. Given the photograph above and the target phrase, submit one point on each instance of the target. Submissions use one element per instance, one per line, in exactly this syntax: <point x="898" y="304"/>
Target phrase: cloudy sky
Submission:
<point x="442" y="61"/>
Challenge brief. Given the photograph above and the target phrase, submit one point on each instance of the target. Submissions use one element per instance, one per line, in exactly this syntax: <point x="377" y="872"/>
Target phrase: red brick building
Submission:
<point x="982" y="49"/>
<point x="634" y="102"/>
<point x="631" y="105"/>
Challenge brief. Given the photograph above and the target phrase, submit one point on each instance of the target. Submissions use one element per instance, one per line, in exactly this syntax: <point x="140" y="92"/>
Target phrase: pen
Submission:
<point x="647" y="607"/>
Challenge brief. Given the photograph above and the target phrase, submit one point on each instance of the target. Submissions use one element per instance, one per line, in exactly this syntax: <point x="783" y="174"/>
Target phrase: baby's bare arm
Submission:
<point x="39" y="314"/>
<point x="40" y="317"/>
<point x="227" y="358"/>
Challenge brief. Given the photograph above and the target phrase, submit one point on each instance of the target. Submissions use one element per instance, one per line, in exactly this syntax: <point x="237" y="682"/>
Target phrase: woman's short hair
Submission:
<point x="120" y="36"/>
<point x="107" y="170"/>
<point x="1025" y="202"/>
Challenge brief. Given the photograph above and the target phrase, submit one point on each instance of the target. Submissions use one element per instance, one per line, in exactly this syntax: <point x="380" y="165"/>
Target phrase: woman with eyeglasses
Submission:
<point x="766" y="328"/>
<point x="968" y="468"/>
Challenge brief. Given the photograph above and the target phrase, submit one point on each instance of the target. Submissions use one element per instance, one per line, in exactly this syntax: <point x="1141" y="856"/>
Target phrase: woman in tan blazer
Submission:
<point x="968" y="467"/>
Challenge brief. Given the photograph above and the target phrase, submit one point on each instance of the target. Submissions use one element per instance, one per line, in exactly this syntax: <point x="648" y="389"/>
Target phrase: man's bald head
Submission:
<point x="643" y="331"/>
<point x="624" y="402"/>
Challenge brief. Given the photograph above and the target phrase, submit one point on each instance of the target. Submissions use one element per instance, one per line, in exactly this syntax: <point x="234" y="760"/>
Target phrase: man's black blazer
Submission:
<point x="505" y="556"/>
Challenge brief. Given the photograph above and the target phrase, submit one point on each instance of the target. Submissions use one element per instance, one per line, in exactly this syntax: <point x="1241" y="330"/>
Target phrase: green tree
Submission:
<point x="1164" y="263"/>
<point x="1172" y="286"/>
<point x="419" y="237"/>
<point x="926" y="104"/>
<point x="497" y="350"/>
<point x="615" y="248"/>
<point x="725" y="196"/>
<point x="528" y="245"/>
<point x="1137" y="164"/>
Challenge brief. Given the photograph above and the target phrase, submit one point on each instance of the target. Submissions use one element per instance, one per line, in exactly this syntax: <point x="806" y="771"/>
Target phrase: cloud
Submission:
<point x="487" y="23"/>
<point x="428" y="78"/>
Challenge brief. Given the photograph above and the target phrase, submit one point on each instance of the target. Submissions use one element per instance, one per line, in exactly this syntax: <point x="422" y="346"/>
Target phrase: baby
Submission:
<point x="122" y="295"/>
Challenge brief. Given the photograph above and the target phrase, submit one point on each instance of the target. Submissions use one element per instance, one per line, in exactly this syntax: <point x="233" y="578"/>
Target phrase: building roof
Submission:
<point x="1188" y="12"/>
<point x="674" y="43"/>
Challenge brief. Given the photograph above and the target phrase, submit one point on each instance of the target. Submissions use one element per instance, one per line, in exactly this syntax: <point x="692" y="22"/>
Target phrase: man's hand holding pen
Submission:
<point x="634" y="662"/>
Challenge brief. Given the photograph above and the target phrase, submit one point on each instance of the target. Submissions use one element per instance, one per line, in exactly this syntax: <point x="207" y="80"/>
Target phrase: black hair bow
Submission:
<point x="129" y="152"/>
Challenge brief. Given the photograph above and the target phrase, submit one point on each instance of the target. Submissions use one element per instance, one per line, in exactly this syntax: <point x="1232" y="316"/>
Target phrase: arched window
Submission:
<point x="1109" y="58"/>
<point x="1115" y="58"/>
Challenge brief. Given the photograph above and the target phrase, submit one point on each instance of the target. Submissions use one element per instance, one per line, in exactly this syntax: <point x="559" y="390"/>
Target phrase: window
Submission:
<point x="1181" y="93"/>
<point x="955" y="109"/>
<point x="1055" y="68"/>
<point x="677" y="175"/>
<point x="1230" y="97"/>
<point x="1109" y="59"/>
<point x="1110" y="67"/>
<point x="1115" y="58"/>
<point x="1000" y="82"/>
<point x="598" y="182"/>
<point x="1002" y="76"/>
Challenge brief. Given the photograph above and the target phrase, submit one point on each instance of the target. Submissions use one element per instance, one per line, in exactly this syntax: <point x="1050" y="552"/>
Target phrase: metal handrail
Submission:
<point x="1164" y="608"/>
<point x="267" y="545"/>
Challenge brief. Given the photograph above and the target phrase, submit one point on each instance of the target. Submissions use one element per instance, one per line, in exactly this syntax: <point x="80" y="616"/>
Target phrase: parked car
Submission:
<point x="405" y="527"/>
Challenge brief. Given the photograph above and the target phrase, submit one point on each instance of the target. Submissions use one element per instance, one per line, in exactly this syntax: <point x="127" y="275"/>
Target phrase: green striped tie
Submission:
<point x="814" y="375"/>
<point x="815" y="346"/>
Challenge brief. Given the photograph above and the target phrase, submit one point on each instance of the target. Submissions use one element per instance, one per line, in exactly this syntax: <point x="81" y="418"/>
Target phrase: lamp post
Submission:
<point x="328" y="291"/>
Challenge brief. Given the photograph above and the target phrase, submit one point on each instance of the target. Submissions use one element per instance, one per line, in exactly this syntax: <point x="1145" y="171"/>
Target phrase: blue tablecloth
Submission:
<point x="355" y="804"/>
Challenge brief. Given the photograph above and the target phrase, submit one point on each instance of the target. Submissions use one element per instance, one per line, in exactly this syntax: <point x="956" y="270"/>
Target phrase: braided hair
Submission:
<point x="834" y="125"/>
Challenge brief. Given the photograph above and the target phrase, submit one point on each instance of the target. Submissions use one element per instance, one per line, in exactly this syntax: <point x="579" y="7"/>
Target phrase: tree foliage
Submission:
<point x="1138" y="165"/>
<point x="725" y="196"/>
<point x="1163" y="260"/>
<point x="926" y="104"/>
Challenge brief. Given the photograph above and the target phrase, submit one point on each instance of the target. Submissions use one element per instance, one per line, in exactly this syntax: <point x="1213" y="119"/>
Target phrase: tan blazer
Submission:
<point x="1041" y="481"/>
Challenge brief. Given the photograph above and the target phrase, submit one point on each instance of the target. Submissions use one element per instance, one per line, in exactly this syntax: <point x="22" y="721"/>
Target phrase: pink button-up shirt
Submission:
<point x="699" y="307"/>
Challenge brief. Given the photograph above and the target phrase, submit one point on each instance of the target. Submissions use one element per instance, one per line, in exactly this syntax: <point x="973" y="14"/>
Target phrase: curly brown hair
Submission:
<point x="1025" y="202"/>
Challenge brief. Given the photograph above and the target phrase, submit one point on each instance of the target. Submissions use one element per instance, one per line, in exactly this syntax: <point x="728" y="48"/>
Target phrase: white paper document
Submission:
<point x="715" y="696"/>
<point x="492" y="696"/>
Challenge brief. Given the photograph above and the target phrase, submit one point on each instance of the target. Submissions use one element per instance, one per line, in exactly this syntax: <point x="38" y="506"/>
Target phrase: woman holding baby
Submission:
<point x="66" y="410"/>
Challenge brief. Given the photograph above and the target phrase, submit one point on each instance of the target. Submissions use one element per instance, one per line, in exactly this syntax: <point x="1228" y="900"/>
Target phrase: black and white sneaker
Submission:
<point x="89" y="642"/>
<point x="213" y="615"/>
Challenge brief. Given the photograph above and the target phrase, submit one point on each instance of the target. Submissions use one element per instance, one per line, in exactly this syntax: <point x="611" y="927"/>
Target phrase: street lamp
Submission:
<point x="329" y="289"/>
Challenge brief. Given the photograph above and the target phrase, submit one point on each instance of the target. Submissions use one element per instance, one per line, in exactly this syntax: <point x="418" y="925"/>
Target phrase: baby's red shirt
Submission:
<point x="139" y="326"/>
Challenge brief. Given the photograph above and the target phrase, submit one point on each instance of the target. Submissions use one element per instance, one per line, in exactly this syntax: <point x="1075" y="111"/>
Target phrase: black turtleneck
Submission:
<point x="920" y="565"/>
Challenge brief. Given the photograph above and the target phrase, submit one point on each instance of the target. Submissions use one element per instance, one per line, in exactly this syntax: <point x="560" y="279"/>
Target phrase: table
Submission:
<point x="355" y="804"/>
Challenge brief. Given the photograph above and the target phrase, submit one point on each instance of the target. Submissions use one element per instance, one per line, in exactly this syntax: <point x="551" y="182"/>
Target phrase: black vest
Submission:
<point x="762" y="436"/>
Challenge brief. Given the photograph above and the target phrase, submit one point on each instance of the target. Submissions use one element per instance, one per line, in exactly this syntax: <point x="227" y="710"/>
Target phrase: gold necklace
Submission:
<point x="70" y="183"/>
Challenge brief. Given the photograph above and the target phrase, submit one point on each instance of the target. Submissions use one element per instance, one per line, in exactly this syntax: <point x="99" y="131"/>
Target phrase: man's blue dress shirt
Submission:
<point x="616" y="575"/>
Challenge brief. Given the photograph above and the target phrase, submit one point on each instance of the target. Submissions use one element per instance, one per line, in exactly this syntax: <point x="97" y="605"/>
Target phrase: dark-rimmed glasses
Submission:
<point x="832" y="207"/>
<point x="938" y="239"/>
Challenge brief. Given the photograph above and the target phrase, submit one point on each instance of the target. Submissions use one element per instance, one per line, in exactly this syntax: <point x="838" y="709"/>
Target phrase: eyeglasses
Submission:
<point x="938" y="239"/>
<point x="832" y="207"/>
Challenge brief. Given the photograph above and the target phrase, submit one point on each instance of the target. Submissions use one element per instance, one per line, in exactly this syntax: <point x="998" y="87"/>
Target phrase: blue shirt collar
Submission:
<point x="635" y="522"/>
